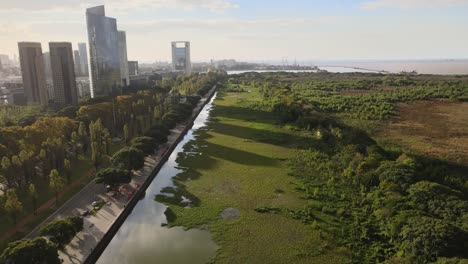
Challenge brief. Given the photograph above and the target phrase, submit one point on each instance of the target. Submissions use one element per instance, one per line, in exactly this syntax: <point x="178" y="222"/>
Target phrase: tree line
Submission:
<point x="45" y="150"/>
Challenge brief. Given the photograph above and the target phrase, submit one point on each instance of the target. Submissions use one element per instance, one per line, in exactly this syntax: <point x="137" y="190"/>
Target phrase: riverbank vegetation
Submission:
<point x="296" y="154"/>
<point x="77" y="141"/>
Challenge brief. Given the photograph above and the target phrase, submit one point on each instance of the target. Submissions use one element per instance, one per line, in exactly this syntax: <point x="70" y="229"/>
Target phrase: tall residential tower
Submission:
<point x="83" y="58"/>
<point x="103" y="40"/>
<point x="33" y="73"/>
<point x="63" y="72"/>
<point x="123" y="58"/>
<point x="77" y="60"/>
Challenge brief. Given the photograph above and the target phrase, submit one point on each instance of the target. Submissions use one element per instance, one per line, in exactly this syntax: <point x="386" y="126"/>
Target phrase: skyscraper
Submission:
<point x="103" y="42"/>
<point x="123" y="58"/>
<point x="48" y="74"/>
<point x="77" y="60"/>
<point x="47" y="67"/>
<point x="133" y="68"/>
<point x="32" y="71"/>
<point x="181" y="56"/>
<point x="4" y="61"/>
<point x="83" y="58"/>
<point x="63" y="72"/>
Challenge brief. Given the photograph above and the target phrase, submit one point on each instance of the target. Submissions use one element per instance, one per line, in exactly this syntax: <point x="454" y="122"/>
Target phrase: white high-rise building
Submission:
<point x="123" y="59"/>
<point x="181" y="56"/>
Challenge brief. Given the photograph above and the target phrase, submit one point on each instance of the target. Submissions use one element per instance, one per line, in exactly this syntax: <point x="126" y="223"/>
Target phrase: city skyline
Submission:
<point x="256" y="30"/>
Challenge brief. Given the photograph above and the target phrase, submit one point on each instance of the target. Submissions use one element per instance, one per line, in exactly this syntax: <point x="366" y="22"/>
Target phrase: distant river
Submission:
<point x="329" y="69"/>
<point x="142" y="239"/>
<point x="422" y="66"/>
<point x="449" y="67"/>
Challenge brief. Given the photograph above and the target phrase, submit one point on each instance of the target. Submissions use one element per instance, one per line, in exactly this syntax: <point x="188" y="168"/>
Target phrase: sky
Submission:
<point x="305" y="30"/>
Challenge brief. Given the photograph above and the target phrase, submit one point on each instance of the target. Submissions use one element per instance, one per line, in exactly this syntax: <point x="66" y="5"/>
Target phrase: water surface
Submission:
<point x="142" y="239"/>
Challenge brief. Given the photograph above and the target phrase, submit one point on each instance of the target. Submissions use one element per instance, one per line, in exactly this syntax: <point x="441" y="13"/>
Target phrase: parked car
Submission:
<point x="85" y="213"/>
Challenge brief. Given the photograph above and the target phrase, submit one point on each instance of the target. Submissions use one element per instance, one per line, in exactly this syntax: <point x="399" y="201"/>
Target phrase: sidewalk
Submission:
<point x="95" y="226"/>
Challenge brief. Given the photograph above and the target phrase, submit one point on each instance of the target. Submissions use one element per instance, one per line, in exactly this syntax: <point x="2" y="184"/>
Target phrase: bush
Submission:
<point x="328" y="210"/>
<point x="76" y="222"/>
<point x="113" y="176"/>
<point x="145" y="144"/>
<point x="62" y="231"/>
<point x="129" y="158"/>
<point x="193" y="100"/>
<point x="267" y="209"/>
<point x="36" y="250"/>
<point x="169" y="121"/>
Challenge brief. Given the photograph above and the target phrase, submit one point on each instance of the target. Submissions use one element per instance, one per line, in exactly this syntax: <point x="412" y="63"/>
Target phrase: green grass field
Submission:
<point x="243" y="164"/>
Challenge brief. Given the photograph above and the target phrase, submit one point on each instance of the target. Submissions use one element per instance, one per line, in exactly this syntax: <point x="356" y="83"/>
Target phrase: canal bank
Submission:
<point x="101" y="246"/>
<point x="100" y="228"/>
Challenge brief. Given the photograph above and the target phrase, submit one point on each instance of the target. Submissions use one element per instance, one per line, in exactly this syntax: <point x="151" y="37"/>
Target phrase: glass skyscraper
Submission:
<point x="123" y="58"/>
<point x="83" y="58"/>
<point x="103" y="40"/>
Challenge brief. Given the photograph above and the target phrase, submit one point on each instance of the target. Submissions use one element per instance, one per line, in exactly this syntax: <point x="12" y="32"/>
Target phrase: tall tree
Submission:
<point x="126" y="132"/>
<point x="67" y="169"/>
<point x="55" y="183"/>
<point x="17" y="170"/>
<point x="6" y="167"/>
<point x="83" y="136"/>
<point x="13" y="205"/>
<point x="36" y="250"/>
<point x="33" y="195"/>
<point x="129" y="158"/>
<point x="113" y="176"/>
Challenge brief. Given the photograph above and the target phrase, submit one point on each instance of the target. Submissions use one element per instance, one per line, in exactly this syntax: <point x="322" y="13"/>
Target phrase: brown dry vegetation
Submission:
<point x="438" y="128"/>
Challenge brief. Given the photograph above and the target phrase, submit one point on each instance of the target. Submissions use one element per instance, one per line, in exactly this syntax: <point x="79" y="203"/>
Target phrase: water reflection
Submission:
<point x="142" y="239"/>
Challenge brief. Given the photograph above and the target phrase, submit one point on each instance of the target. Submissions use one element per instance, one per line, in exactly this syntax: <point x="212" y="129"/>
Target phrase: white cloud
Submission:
<point x="412" y="4"/>
<point x="223" y="23"/>
<point x="39" y="6"/>
<point x="211" y="5"/>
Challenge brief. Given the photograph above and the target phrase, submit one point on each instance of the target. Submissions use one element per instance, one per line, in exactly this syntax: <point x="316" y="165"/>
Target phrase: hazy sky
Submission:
<point x="254" y="29"/>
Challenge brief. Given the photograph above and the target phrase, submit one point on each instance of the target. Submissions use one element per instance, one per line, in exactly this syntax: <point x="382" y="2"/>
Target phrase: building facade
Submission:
<point x="77" y="61"/>
<point x="132" y="68"/>
<point x="181" y="56"/>
<point x="5" y="61"/>
<point x="103" y="40"/>
<point x="63" y="72"/>
<point x="123" y="58"/>
<point x="83" y="58"/>
<point x="47" y="68"/>
<point x="33" y="73"/>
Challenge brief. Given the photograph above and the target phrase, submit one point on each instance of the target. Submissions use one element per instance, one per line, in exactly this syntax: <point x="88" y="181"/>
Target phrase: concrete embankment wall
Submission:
<point x="106" y="239"/>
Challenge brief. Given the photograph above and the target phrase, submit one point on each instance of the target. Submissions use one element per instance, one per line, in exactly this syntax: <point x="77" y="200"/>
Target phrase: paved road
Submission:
<point x="96" y="226"/>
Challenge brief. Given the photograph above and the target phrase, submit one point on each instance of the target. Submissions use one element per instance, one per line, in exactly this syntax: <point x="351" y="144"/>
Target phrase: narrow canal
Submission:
<point x="142" y="239"/>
